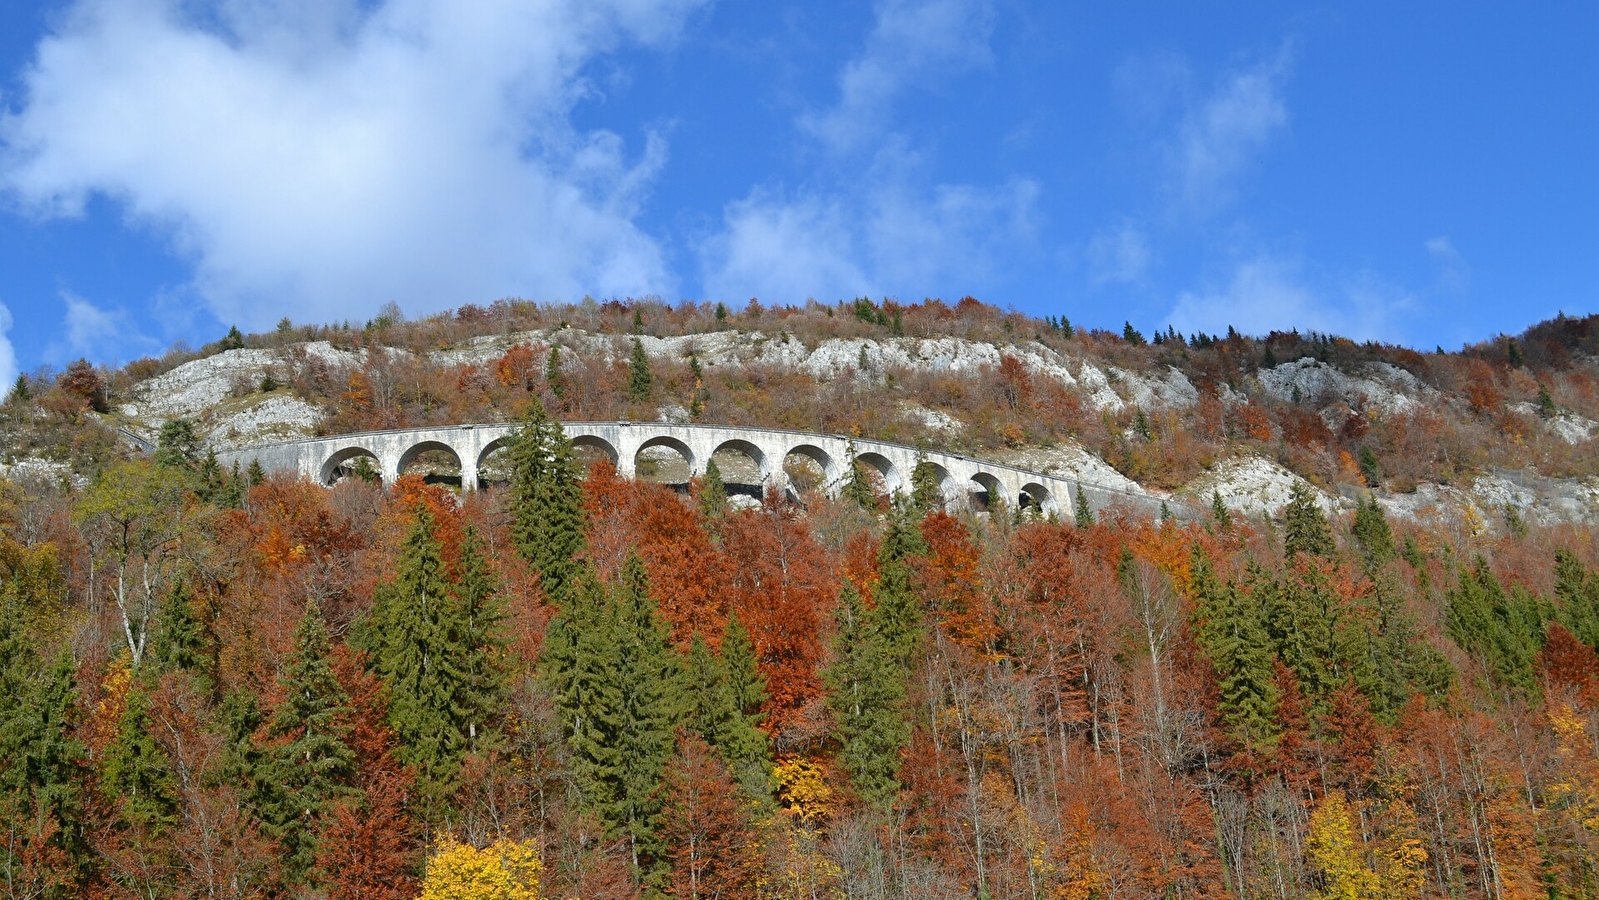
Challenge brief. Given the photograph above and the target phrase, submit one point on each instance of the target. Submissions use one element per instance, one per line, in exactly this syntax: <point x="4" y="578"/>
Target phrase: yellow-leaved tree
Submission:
<point x="505" y="870"/>
<point x="1340" y="855"/>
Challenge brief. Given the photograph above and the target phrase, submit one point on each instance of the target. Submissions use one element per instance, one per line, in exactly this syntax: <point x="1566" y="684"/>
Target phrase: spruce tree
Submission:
<point x="579" y="665"/>
<point x="179" y="641"/>
<point x="857" y="487"/>
<point x="41" y="763"/>
<point x="1219" y="513"/>
<point x="1081" y="514"/>
<point x="1503" y="629"/>
<point x="416" y="638"/>
<point x="866" y="692"/>
<point x="639" y="379"/>
<point x="552" y="373"/>
<point x="1305" y="526"/>
<point x="897" y="613"/>
<point x="1372" y="534"/>
<point x="255" y="474"/>
<point x="742" y="742"/>
<point x="135" y="773"/>
<point x="483" y="690"/>
<point x="178" y="446"/>
<point x="546" y="502"/>
<point x="1577" y="590"/>
<point x="713" y="493"/>
<point x="1230" y="630"/>
<point x="927" y="491"/>
<point x="651" y="681"/>
<point x="308" y="763"/>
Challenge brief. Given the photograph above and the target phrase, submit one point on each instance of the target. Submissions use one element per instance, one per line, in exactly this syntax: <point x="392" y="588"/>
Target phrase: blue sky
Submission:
<point x="1408" y="172"/>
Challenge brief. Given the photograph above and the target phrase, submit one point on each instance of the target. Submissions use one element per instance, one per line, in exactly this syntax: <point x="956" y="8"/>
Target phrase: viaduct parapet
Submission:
<point x="964" y="480"/>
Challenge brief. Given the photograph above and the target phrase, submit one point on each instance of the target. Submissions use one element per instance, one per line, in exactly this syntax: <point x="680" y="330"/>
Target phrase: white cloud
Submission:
<point x="1267" y="293"/>
<point x="871" y="224"/>
<point x="108" y="335"/>
<point x="1119" y="254"/>
<point x="1219" y="137"/>
<point x="911" y="41"/>
<point x="8" y="354"/>
<point x="1453" y="272"/>
<point x="317" y="158"/>
<point x="897" y="241"/>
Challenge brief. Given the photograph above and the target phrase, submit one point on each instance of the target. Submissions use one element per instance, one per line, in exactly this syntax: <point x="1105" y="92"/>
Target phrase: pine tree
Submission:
<point x="1219" y="513"/>
<point x="713" y="493"/>
<point x="866" y="692"/>
<point x="1505" y="630"/>
<point x="135" y="772"/>
<point x="579" y="664"/>
<point x="639" y="379"/>
<point x="1372" y="534"/>
<point x="211" y="486"/>
<point x="1577" y="589"/>
<point x="255" y="474"/>
<point x="927" y="491"/>
<point x="896" y="612"/>
<point x="857" y="487"/>
<point x="1306" y="527"/>
<point x="416" y="637"/>
<point x="179" y="641"/>
<point x="41" y="763"/>
<point x="651" y="681"/>
<point x="308" y="764"/>
<point x="725" y="692"/>
<point x="1546" y="402"/>
<point x="1230" y="630"/>
<point x="1081" y="514"/>
<point x="546" y="502"/>
<point x="482" y="692"/>
<point x="552" y="373"/>
<point x="178" y="446"/>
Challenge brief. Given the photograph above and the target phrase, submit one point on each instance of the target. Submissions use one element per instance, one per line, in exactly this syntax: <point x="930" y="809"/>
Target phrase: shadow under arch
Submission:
<point x="668" y="442"/>
<point x="986" y="490"/>
<point x="893" y="482"/>
<point x="331" y="468"/>
<point x="1036" y="496"/>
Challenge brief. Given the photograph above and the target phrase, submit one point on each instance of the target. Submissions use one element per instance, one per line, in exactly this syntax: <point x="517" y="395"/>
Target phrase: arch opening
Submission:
<point x="494" y="464"/>
<point x="352" y="462"/>
<point x="1036" y="499"/>
<point x="881" y="472"/>
<point x="809" y="468"/>
<point x="944" y="494"/>
<point x="664" y="460"/>
<point x="743" y="468"/>
<point x="436" y="462"/>
<point x="984" y="493"/>
<point x="589" y="449"/>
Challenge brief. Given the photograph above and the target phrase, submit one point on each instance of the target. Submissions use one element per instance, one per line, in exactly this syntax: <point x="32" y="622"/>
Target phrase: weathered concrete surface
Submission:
<point x="964" y="479"/>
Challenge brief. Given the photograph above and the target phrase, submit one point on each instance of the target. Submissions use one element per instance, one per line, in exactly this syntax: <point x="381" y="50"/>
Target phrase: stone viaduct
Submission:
<point x="965" y="481"/>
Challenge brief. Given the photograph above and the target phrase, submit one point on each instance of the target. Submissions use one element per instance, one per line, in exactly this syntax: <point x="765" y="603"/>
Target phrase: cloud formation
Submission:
<point x="1265" y="293"/>
<point x="1120" y="254"/>
<point x="317" y="158"/>
<point x="911" y="41"/>
<point x="8" y="354"/>
<point x="1220" y="136"/>
<point x="871" y="224"/>
<point x="107" y="335"/>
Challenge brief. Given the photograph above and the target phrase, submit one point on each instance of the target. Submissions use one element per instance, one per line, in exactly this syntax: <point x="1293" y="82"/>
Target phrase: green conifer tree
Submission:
<point x="1229" y="628"/>
<point x="546" y="502"/>
<point x="866" y="692"/>
<point x="1305" y="526"/>
<point x="1577" y="591"/>
<point x="713" y="493"/>
<point x="256" y="475"/>
<point x="179" y="640"/>
<point x="41" y="763"/>
<point x="135" y="773"/>
<point x="416" y="638"/>
<point x="579" y="664"/>
<point x="743" y="744"/>
<point x="1504" y="629"/>
<point x="1219" y="513"/>
<point x="651" y="681"/>
<point x="927" y="489"/>
<point x="897" y="613"/>
<point x="857" y="487"/>
<point x="483" y="690"/>
<point x="1372" y="534"/>
<point x="639" y="379"/>
<point x="178" y="446"/>
<point x="1081" y="514"/>
<point x="307" y="764"/>
<point x="552" y="373"/>
<point x="1546" y="402"/>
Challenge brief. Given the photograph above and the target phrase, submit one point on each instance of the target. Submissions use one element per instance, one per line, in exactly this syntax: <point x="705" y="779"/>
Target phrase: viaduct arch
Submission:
<point x="965" y="481"/>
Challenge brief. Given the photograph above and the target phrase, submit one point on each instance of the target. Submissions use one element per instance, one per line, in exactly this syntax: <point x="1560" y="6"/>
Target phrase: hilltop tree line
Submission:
<point x="217" y="683"/>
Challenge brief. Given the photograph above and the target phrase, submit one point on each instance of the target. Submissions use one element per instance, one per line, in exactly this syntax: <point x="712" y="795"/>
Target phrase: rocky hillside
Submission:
<point x="1499" y="433"/>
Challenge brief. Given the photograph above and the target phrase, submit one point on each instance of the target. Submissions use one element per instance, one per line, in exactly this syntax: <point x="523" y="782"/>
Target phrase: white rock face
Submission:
<point x="1252" y="485"/>
<point x="277" y="417"/>
<point x="194" y="387"/>
<point x="931" y="419"/>
<point x="1569" y="427"/>
<point x="1173" y="390"/>
<point x="32" y="469"/>
<point x="1386" y="389"/>
<point x="1073" y="460"/>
